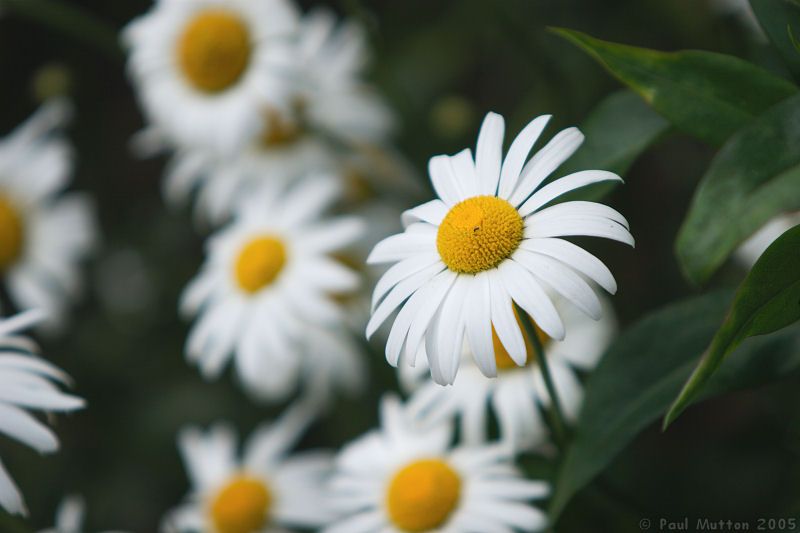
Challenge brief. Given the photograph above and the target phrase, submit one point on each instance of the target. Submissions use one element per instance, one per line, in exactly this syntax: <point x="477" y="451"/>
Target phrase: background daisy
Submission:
<point x="264" y="490"/>
<point x="268" y="277"/>
<point x="27" y="382"/>
<point x="517" y="394"/>
<point x="749" y="252"/>
<point x="403" y="478"/>
<point x="204" y="70"/>
<point x="43" y="235"/>
<point x="492" y="238"/>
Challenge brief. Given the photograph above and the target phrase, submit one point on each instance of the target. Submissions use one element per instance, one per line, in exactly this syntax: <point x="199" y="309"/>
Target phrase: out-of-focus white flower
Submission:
<point x="268" y="280"/>
<point x="749" y="252"/>
<point x="331" y="112"/>
<point x="27" y="382"/>
<point x="43" y="236"/>
<point x="69" y="516"/>
<point x="265" y="491"/>
<point x="492" y="238"/>
<point x="206" y="70"/>
<point x="516" y="395"/>
<point x="404" y="477"/>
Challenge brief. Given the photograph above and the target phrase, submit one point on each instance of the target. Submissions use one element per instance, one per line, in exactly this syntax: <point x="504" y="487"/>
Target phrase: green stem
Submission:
<point x="69" y="20"/>
<point x="557" y="420"/>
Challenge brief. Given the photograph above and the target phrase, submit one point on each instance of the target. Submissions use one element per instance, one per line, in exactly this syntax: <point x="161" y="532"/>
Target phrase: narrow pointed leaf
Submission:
<point x="644" y="369"/>
<point x="704" y="94"/>
<point x="768" y="300"/>
<point x="755" y="177"/>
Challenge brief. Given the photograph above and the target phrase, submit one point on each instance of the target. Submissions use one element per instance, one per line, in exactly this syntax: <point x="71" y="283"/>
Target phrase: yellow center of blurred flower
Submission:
<point x="214" y="50"/>
<point x="279" y="130"/>
<point x="423" y="495"/>
<point x="260" y="262"/>
<point x="478" y="234"/>
<point x="11" y="233"/>
<point x="501" y="357"/>
<point x="242" y="506"/>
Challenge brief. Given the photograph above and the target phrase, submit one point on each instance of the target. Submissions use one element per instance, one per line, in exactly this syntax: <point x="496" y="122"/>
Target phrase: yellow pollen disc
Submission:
<point x="259" y="263"/>
<point x="214" y="50"/>
<point x="423" y="495"/>
<point x="242" y="506"/>
<point x="478" y="234"/>
<point x="11" y="234"/>
<point x="501" y="357"/>
<point x="279" y="130"/>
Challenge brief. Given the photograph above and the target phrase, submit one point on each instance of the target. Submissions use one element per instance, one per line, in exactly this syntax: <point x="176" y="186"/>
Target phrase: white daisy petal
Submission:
<point x="546" y="160"/>
<point x="478" y="313"/>
<point x="431" y="212"/>
<point x="489" y="153"/>
<point x="444" y="180"/>
<point x="564" y="185"/>
<point x="518" y="153"/>
<point x="527" y="292"/>
<point x="505" y="323"/>
<point x="574" y="256"/>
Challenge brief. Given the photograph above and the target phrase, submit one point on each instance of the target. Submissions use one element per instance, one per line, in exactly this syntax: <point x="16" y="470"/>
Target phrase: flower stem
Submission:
<point x="557" y="419"/>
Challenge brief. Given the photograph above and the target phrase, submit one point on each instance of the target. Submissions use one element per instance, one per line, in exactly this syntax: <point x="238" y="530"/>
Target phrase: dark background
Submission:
<point x="442" y="65"/>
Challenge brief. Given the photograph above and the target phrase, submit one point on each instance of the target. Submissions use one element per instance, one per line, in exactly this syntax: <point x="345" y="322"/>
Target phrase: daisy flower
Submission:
<point x="43" y="235"/>
<point x="264" y="491"/>
<point x="406" y="478"/>
<point x="267" y="279"/>
<point x="328" y="100"/>
<point x="516" y="395"/>
<point x="749" y="252"/>
<point x="492" y="238"/>
<point x="332" y="95"/>
<point x="69" y="516"/>
<point x="206" y="68"/>
<point x="27" y="382"/>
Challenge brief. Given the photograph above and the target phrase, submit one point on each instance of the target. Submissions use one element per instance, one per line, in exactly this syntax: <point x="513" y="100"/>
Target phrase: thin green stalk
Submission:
<point x="558" y="422"/>
<point x="71" y="20"/>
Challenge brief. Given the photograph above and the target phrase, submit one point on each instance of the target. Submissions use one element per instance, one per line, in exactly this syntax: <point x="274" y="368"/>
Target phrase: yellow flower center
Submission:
<point x="242" y="506"/>
<point x="423" y="495"/>
<point x="478" y="234"/>
<point x="259" y="263"/>
<point x="501" y="357"/>
<point x="11" y="234"/>
<point x="214" y="50"/>
<point x="279" y="130"/>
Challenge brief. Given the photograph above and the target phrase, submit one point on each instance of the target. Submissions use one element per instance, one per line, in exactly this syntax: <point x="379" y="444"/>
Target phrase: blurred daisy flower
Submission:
<point x="27" y="382"/>
<point x="749" y="252"/>
<point x="264" y="491"/>
<point x="269" y="277"/>
<point x="69" y="516"/>
<point x="43" y="235"/>
<point x="516" y="395"/>
<point x="204" y="68"/>
<point x="330" y="112"/>
<point x="402" y="478"/>
<point x="492" y="239"/>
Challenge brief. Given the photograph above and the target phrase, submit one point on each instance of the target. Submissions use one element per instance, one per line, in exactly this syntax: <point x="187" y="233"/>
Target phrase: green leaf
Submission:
<point x="780" y="20"/>
<point x="768" y="300"/>
<point x="703" y="94"/>
<point x="617" y="131"/>
<point x="642" y="372"/>
<point x="754" y="177"/>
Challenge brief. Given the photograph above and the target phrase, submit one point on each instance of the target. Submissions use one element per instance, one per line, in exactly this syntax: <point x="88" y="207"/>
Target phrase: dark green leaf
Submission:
<point x="768" y="300"/>
<point x="780" y="20"/>
<point x="644" y="369"/>
<point x="753" y="178"/>
<point x="704" y="94"/>
<point x="618" y="130"/>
